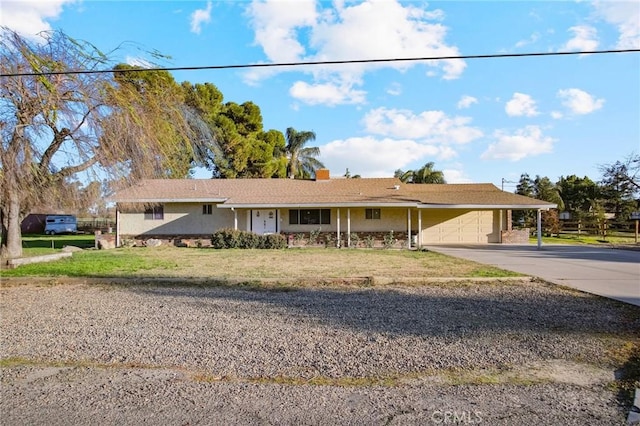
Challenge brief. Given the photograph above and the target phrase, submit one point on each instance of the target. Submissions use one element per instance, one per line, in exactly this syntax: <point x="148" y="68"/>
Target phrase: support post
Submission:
<point x="409" y="228"/>
<point x="235" y="219"/>
<point x="349" y="228"/>
<point x="338" y="233"/>
<point x="539" y="228"/>
<point x="419" y="229"/>
<point x="118" y="228"/>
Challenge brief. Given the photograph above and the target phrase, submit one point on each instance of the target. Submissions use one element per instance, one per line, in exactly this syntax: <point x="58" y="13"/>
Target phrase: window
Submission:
<point x="310" y="217"/>
<point x="372" y="213"/>
<point x="154" y="213"/>
<point x="207" y="209"/>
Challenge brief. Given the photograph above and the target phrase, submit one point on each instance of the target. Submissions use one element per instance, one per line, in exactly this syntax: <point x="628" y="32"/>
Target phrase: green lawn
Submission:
<point x="36" y="245"/>
<point x="614" y="238"/>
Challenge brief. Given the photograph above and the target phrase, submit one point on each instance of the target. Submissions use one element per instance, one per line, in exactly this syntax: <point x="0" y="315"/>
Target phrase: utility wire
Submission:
<point x="297" y="64"/>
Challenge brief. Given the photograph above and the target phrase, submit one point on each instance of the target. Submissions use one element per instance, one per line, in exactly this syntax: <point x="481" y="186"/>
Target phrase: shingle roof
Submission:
<point x="334" y="192"/>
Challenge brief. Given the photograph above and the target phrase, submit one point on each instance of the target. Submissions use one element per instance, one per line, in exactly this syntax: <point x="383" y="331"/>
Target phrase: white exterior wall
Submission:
<point x="179" y="219"/>
<point x="460" y="226"/>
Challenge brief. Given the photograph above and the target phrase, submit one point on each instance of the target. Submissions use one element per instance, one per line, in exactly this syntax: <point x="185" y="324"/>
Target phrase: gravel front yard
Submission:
<point x="491" y="353"/>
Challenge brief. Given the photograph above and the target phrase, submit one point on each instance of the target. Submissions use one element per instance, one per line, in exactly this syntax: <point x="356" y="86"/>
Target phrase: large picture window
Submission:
<point x="154" y="213"/>
<point x="310" y="217"/>
<point x="372" y="213"/>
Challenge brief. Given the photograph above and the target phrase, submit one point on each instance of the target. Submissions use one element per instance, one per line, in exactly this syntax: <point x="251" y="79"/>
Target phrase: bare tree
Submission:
<point x="55" y="126"/>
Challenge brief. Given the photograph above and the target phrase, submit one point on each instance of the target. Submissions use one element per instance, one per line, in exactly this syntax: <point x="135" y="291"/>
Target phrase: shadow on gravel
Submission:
<point x="434" y="310"/>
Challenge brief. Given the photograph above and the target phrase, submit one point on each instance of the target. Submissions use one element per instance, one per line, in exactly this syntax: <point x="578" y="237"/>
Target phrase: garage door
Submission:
<point x="459" y="226"/>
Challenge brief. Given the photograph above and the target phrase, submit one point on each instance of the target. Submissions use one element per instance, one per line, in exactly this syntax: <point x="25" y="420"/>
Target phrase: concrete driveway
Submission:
<point x="607" y="272"/>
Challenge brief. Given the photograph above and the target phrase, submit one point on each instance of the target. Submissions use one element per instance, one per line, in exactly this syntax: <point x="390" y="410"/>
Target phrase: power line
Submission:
<point x="298" y="64"/>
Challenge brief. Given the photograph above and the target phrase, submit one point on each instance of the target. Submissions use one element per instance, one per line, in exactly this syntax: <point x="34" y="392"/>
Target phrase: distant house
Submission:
<point x="421" y="213"/>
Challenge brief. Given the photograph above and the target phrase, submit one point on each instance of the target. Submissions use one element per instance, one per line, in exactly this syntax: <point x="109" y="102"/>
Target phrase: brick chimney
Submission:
<point x="322" y="174"/>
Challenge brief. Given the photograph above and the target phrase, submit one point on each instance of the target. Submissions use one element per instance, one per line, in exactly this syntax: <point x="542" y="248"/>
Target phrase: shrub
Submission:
<point x="389" y="240"/>
<point x="355" y="239"/>
<point x="329" y="240"/>
<point x="369" y="241"/>
<point x="313" y="236"/>
<point x="249" y="240"/>
<point x="274" y="241"/>
<point x="232" y="238"/>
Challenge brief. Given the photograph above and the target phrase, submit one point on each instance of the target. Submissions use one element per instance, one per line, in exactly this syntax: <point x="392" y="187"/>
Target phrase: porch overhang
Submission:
<point x="314" y="205"/>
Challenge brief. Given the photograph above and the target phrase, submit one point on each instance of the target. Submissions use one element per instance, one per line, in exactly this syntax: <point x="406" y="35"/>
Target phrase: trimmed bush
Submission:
<point x="232" y="238"/>
<point x="274" y="241"/>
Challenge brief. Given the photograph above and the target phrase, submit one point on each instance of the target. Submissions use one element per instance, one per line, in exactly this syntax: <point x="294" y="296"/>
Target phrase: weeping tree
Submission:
<point x="161" y="127"/>
<point x="56" y="125"/>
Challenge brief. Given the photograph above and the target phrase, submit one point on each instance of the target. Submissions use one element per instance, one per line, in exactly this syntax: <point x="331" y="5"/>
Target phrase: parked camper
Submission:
<point x="60" y="224"/>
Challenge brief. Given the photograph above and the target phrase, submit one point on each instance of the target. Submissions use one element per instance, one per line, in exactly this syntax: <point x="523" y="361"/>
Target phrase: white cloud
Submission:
<point x="532" y="39"/>
<point x="625" y="16"/>
<point x="307" y="30"/>
<point x="328" y="94"/>
<point x="456" y="176"/>
<point x="385" y="29"/>
<point x="394" y="89"/>
<point x="466" y="101"/>
<point x="579" y="102"/>
<point x="378" y="157"/>
<point x="557" y="115"/>
<point x="432" y="126"/>
<point x="29" y="17"/>
<point x="521" y="105"/>
<point x="584" y="39"/>
<point x="526" y="142"/>
<point x="199" y="17"/>
<point x="276" y="24"/>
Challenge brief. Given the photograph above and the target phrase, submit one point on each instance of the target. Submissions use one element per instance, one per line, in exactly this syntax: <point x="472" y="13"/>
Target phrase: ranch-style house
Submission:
<point x="419" y="214"/>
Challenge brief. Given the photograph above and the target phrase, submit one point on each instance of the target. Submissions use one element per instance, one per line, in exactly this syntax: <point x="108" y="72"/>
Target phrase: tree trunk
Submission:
<point x="11" y="246"/>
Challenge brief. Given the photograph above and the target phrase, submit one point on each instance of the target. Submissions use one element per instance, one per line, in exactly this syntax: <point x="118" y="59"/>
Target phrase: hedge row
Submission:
<point x="232" y="238"/>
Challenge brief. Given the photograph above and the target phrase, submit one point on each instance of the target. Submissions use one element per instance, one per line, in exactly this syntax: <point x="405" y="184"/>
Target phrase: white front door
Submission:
<point x="263" y="221"/>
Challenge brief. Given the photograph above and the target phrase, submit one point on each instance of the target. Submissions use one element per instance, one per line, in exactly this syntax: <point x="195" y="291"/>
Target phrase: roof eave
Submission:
<point x="489" y="206"/>
<point x="169" y="200"/>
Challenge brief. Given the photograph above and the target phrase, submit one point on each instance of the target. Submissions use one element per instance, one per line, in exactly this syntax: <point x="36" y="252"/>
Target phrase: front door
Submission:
<point x="263" y="221"/>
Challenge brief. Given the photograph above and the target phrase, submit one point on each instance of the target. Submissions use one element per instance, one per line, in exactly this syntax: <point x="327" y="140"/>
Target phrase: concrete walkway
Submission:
<point x="607" y="272"/>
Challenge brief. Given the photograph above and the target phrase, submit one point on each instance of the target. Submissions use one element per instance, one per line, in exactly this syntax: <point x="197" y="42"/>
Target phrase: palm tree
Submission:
<point x="302" y="161"/>
<point x="425" y="174"/>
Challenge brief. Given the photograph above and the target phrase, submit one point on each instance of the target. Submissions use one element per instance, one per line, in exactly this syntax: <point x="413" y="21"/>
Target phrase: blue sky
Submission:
<point x="479" y="120"/>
